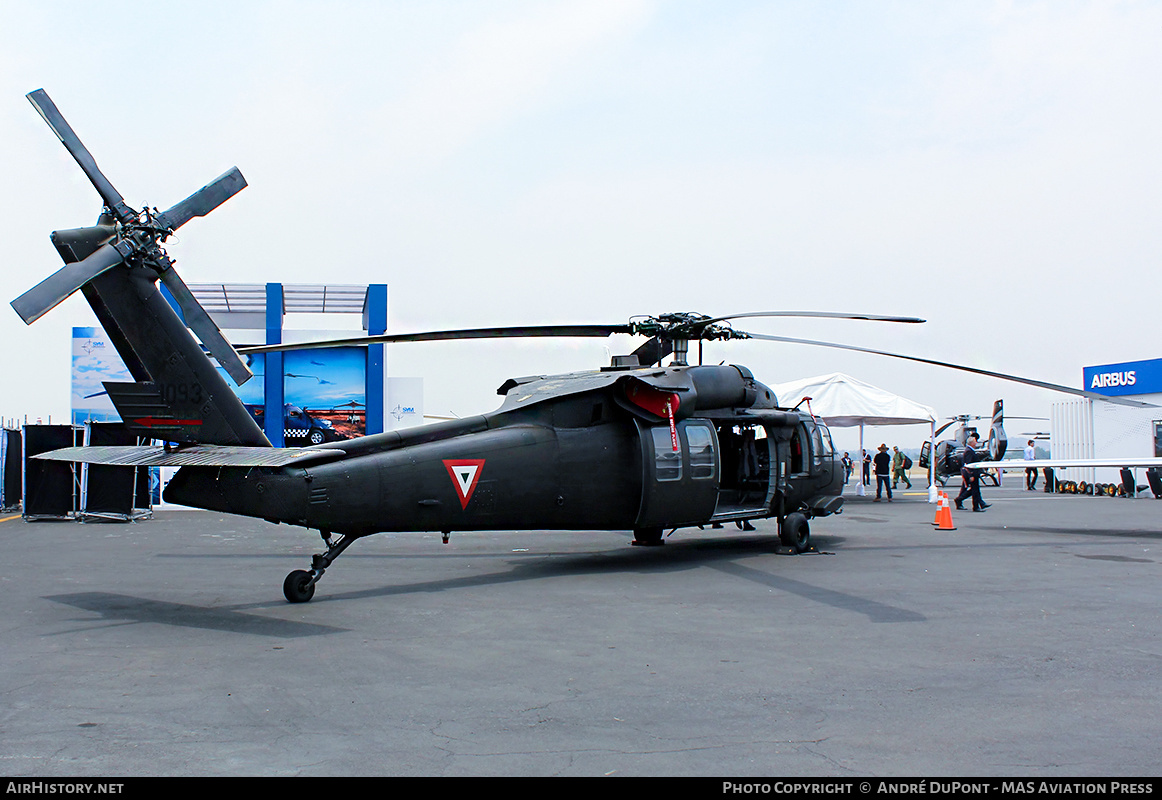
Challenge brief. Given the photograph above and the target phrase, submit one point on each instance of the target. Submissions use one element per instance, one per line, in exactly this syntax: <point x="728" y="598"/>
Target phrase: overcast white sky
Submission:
<point x="993" y="167"/>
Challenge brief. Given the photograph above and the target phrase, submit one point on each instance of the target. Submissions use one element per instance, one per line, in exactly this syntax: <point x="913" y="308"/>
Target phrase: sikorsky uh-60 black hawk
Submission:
<point x="635" y="446"/>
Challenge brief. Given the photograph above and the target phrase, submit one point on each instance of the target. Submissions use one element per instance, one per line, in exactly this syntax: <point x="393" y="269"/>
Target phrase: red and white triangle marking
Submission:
<point x="465" y="473"/>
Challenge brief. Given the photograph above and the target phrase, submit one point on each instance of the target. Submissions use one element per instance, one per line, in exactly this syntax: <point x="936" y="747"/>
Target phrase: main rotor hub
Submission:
<point x="684" y="327"/>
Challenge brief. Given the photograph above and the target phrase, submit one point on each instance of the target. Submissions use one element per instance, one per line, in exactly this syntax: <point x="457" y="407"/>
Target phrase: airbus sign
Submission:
<point x="1104" y="380"/>
<point x="1131" y="377"/>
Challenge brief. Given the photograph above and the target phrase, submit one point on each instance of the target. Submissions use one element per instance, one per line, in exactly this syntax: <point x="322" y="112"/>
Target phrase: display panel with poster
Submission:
<point x="329" y="387"/>
<point x="50" y="487"/>
<point x="11" y="450"/>
<point x="94" y="361"/>
<point x="324" y="394"/>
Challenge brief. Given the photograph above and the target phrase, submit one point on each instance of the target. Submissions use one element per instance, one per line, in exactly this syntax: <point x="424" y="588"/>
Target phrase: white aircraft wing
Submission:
<point x="1062" y="463"/>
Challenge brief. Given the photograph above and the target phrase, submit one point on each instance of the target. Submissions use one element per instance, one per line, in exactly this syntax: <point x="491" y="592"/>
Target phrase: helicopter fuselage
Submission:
<point x="597" y="458"/>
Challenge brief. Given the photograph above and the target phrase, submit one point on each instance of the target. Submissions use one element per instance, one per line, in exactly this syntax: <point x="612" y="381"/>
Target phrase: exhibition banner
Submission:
<point x="94" y="360"/>
<point x="1128" y="377"/>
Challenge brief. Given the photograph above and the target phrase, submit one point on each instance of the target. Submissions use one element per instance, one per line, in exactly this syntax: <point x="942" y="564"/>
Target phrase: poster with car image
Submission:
<point x="324" y="394"/>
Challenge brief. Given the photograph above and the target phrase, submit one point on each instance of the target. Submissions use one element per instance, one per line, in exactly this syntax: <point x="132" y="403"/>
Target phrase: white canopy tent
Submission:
<point x="844" y="402"/>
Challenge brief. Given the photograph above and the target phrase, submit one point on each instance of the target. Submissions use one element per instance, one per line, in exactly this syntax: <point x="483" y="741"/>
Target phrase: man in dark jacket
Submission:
<point x="883" y="462"/>
<point x="970" y="477"/>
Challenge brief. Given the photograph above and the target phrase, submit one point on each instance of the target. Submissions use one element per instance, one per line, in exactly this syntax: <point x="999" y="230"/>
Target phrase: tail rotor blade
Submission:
<point x="49" y="112"/>
<point x="205" y="200"/>
<point x="201" y="324"/>
<point x="53" y="290"/>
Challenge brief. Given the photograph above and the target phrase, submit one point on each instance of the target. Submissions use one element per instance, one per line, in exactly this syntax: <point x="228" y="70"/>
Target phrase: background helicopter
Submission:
<point x="950" y="452"/>
<point x="634" y="446"/>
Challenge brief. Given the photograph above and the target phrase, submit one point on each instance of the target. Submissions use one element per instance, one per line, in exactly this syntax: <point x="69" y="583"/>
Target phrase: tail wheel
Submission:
<point x="795" y="532"/>
<point x="299" y="587"/>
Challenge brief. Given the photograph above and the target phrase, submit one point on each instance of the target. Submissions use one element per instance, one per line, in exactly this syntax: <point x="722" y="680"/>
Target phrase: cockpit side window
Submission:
<point x="799" y="448"/>
<point x="667" y="461"/>
<point x="701" y="441"/>
<point x="821" y="446"/>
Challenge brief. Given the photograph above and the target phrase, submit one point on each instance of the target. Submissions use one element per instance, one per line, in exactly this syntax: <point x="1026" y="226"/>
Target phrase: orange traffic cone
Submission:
<point x="946" y="517"/>
<point x="941" y="499"/>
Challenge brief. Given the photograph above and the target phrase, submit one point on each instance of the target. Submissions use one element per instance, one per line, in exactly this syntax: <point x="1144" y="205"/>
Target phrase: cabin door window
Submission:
<point x="679" y="485"/>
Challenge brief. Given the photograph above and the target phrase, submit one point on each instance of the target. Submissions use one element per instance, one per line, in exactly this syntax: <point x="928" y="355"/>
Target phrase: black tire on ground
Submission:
<point x="298" y="588"/>
<point x="795" y="532"/>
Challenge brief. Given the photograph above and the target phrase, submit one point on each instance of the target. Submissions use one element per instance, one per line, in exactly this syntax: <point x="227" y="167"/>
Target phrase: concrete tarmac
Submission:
<point x="1027" y="642"/>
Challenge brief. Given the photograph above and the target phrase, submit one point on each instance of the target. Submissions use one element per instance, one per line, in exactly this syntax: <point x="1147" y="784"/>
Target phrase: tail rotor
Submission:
<point x="130" y="239"/>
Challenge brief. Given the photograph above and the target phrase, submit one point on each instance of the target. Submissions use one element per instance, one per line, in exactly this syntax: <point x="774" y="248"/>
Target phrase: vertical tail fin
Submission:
<point x="998" y="442"/>
<point x="179" y="395"/>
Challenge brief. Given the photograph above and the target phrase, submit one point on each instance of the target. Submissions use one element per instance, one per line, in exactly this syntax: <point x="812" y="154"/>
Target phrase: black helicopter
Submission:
<point x="950" y="452"/>
<point x="635" y="446"/>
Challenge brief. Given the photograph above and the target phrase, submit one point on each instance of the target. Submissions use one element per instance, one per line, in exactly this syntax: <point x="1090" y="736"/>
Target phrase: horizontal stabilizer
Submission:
<point x="197" y="456"/>
<point x="179" y="411"/>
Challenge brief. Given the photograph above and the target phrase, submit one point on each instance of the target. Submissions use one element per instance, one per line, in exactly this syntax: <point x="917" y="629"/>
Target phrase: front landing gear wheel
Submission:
<point x="795" y="532"/>
<point x="299" y="586"/>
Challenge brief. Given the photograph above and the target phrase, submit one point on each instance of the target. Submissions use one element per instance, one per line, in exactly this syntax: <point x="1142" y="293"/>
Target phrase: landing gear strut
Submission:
<point x="299" y="586"/>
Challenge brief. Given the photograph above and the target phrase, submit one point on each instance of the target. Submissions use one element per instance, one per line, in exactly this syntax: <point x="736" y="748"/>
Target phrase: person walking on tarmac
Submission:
<point x="1030" y="472"/>
<point x="970" y="477"/>
<point x="883" y="463"/>
<point x="900" y="465"/>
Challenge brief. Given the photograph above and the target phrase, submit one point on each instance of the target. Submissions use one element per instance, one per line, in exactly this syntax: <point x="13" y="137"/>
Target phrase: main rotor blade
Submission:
<point x="47" y="294"/>
<point x="437" y="336"/>
<point x="49" y="112"/>
<point x="818" y="314"/>
<point x="989" y="373"/>
<point x="208" y="332"/>
<point x="943" y="428"/>
<point x="205" y="200"/>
